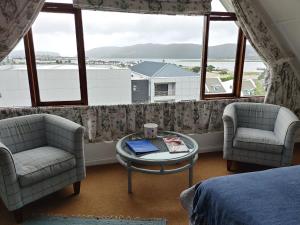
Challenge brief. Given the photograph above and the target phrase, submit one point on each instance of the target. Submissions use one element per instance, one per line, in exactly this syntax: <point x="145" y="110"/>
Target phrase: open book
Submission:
<point x="175" y="144"/>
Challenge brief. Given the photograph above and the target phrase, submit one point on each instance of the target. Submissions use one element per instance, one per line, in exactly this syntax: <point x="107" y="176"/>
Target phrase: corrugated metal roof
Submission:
<point x="248" y="85"/>
<point x="214" y="85"/>
<point x="147" y="68"/>
<point x="159" y="69"/>
<point x="172" y="70"/>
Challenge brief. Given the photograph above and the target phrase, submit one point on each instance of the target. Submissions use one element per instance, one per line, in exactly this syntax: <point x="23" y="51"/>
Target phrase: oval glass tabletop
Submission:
<point x="163" y="154"/>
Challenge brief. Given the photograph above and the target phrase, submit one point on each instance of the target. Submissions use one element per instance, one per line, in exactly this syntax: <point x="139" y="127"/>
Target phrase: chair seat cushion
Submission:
<point x="257" y="140"/>
<point x="38" y="164"/>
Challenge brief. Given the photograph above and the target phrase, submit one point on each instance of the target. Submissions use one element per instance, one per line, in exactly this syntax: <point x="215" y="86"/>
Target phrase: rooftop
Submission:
<point x="248" y="84"/>
<point x="160" y="69"/>
<point x="214" y="85"/>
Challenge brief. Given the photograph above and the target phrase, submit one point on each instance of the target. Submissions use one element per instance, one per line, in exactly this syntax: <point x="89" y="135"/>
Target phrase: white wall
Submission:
<point x="59" y="84"/>
<point x="186" y="88"/>
<point x="106" y="86"/>
<point x="109" y="86"/>
<point x="105" y="152"/>
<point x="14" y="88"/>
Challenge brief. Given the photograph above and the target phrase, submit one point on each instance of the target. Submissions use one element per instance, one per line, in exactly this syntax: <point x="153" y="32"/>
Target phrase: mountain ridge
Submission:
<point x="154" y="51"/>
<point x="169" y="51"/>
<point x="21" y="54"/>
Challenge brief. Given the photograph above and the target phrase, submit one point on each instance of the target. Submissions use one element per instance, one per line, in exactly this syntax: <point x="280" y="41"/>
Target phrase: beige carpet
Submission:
<point x="104" y="193"/>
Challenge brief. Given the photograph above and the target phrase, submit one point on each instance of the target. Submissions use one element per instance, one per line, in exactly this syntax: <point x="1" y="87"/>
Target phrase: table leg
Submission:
<point x="129" y="180"/>
<point x="191" y="176"/>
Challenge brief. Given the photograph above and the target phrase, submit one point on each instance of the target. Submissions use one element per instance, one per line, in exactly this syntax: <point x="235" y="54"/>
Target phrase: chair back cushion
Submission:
<point x="23" y="133"/>
<point x="256" y="115"/>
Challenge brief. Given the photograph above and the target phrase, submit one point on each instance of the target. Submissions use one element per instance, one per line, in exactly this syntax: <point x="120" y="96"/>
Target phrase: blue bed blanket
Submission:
<point x="270" y="197"/>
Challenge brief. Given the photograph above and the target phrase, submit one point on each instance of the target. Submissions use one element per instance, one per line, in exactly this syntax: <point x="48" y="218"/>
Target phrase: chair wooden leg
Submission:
<point x="18" y="214"/>
<point x="229" y="164"/>
<point x="76" y="187"/>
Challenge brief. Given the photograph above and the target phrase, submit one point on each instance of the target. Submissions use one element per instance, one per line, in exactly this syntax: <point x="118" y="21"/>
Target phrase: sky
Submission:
<point x="55" y="32"/>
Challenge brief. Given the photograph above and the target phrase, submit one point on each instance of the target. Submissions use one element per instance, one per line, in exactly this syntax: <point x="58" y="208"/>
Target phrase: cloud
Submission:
<point x="222" y="32"/>
<point x="54" y="23"/>
<point x="56" y="32"/>
<point x="141" y="28"/>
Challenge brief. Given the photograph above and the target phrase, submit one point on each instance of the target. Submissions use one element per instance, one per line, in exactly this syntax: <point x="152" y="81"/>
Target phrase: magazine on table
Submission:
<point x="175" y="144"/>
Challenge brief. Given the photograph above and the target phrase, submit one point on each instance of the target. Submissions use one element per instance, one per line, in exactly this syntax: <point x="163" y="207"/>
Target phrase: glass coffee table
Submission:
<point x="161" y="158"/>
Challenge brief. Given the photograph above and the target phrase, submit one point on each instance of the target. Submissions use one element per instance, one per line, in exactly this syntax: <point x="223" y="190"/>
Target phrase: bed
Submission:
<point x="270" y="197"/>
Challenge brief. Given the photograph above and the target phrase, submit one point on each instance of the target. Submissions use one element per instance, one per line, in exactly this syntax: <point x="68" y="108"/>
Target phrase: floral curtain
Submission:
<point x="173" y="7"/>
<point x="283" y="86"/>
<point x="16" y="17"/>
<point x="106" y="123"/>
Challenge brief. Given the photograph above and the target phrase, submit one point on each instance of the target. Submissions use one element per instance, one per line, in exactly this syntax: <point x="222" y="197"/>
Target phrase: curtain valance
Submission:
<point x="173" y="7"/>
<point x="106" y="123"/>
<point x="16" y="18"/>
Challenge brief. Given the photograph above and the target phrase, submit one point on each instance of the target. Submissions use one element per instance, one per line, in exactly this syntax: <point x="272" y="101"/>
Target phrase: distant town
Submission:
<point x="124" y="80"/>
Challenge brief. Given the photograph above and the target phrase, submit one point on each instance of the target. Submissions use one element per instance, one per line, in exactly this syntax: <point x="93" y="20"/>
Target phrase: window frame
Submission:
<point x="239" y="58"/>
<point x="68" y="8"/>
<point x="63" y="8"/>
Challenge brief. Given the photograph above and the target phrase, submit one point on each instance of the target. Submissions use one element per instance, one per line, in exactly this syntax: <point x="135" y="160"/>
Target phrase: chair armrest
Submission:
<point x="65" y="134"/>
<point x="286" y="125"/>
<point x="230" y="125"/>
<point x="230" y="118"/>
<point x="290" y="136"/>
<point x="9" y="185"/>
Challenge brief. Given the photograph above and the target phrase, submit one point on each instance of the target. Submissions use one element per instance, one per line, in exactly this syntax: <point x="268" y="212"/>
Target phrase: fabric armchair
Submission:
<point x="259" y="133"/>
<point x="39" y="154"/>
<point x="69" y="136"/>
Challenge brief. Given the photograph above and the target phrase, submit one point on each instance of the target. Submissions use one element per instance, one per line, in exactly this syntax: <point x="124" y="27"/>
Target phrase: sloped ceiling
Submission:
<point x="285" y="16"/>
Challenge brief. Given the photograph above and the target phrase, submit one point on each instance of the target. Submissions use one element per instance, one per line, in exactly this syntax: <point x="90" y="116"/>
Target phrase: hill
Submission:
<point x="21" y="54"/>
<point x="169" y="51"/>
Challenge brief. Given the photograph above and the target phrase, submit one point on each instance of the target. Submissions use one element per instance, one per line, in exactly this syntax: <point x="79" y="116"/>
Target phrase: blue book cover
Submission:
<point x="141" y="146"/>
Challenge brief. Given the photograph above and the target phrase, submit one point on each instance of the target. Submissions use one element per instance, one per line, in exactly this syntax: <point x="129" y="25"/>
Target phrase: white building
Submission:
<point x="167" y="82"/>
<point x="14" y="86"/>
<point x="107" y="85"/>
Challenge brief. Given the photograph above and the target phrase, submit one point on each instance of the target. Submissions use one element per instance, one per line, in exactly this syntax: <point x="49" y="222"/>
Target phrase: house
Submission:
<point x="248" y="87"/>
<point x="215" y="85"/>
<point x="166" y="82"/>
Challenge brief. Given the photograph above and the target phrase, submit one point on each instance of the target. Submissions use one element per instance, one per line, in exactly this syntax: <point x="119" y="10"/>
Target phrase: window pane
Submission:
<point x="254" y="74"/>
<point x="164" y="89"/>
<point x="56" y="57"/>
<point x="222" y="46"/>
<point x="131" y="57"/>
<point x="14" y="86"/>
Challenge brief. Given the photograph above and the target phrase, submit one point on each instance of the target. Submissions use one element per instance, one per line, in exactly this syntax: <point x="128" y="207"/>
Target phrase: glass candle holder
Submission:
<point x="150" y="130"/>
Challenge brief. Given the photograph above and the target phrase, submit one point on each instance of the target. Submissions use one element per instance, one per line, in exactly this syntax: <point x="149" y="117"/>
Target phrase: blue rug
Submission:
<point x="47" y="220"/>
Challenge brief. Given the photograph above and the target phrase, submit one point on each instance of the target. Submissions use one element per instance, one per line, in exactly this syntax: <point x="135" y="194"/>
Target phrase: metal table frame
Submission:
<point x="130" y="161"/>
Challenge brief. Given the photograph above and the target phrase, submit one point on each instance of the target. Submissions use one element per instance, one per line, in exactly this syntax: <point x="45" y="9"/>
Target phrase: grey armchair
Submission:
<point x="39" y="154"/>
<point x="259" y="133"/>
